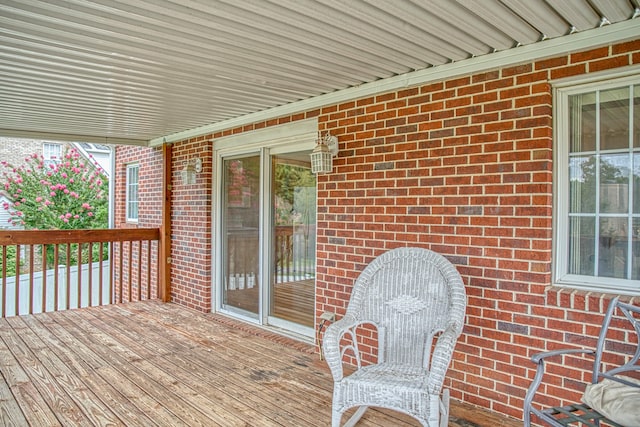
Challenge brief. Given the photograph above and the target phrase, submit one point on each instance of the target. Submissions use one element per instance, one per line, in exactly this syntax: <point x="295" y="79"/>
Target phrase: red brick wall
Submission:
<point x="149" y="185"/>
<point x="190" y="214"/>
<point x="149" y="216"/>
<point x="191" y="239"/>
<point x="463" y="167"/>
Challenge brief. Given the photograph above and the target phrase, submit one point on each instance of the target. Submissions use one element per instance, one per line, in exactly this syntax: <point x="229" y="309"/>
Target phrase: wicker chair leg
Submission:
<point x="336" y="417"/>
<point x="434" y="413"/>
<point x="356" y="416"/>
<point x="444" y="408"/>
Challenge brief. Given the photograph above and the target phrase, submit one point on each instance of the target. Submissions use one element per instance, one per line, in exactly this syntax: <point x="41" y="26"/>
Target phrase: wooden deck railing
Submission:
<point x="291" y="262"/>
<point x="63" y="269"/>
<point x="243" y="265"/>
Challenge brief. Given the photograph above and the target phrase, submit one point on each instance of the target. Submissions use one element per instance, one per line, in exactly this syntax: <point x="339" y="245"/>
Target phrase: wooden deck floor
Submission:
<point x="153" y="364"/>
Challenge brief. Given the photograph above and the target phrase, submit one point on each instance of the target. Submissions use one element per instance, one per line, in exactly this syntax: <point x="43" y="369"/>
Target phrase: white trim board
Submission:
<point x="67" y="137"/>
<point x="615" y="33"/>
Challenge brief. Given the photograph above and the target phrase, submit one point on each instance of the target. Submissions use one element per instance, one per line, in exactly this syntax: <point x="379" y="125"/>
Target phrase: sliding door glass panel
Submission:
<point x="240" y="225"/>
<point x="293" y="213"/>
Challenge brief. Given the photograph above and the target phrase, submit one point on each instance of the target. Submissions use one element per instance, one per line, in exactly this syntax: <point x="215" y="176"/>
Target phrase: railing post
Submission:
<point x="164" y="253"/>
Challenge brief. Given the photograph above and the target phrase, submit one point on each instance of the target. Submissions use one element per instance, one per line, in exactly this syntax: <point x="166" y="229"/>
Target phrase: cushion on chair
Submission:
<point x="616" y="401"/>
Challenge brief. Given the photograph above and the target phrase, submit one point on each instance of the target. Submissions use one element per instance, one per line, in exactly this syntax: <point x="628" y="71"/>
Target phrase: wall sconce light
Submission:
<point x="324" y="152"/>
<point x="193" y="167"/>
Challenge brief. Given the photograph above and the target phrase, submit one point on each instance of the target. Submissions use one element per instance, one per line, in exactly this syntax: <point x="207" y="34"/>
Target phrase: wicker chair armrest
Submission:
<point x="441" y="357"/>
<point x="331" y="344"/>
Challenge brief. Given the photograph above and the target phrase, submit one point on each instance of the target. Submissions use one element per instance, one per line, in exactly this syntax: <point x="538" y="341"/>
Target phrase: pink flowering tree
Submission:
<point x="67" y="193"/>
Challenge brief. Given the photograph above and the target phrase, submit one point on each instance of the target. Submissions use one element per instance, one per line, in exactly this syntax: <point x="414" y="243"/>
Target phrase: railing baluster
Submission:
<point x="130" y="258"/>
<point x="148" y="269"/>
<point x="100" y="273"/>
<point x="112" y="296"/>
<point x="18" y="259"/>
<point x="120" y="286"/>
<point x="89" y="274"/>
<point x="4" y="281"/>
<point x="79" y="264"/>
<point x="140" y="270"/>
<point x="30" y="288"/>
<point x="56" y="277"/>
<point x="43" y="251"/>
<point x="68" y="269"/>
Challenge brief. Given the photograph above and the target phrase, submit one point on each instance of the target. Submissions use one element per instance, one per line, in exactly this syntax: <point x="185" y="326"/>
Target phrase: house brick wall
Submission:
<point x="149" y="186"/>
<point x="15" y="150"/>
<point x="191" y="240"/>
<point x="150" y="194"/>
<point x="190" y="215"/>
<point x="462" y="167"/>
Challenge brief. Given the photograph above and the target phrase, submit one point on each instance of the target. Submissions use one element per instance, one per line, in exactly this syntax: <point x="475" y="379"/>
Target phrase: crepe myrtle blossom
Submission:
<point x="68" y="194"/>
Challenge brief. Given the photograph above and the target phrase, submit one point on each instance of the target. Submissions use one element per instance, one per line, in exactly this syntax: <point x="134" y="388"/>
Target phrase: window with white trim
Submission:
<point x="598" y="185"/>
<point x="132" y="193"/>
<point x="51" y="153"/>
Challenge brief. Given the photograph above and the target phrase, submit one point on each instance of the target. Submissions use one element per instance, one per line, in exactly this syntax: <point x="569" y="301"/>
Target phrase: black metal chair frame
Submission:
<point x="561" y="416"/>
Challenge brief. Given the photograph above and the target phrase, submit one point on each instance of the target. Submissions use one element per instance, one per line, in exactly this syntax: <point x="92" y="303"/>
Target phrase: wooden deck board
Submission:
<point x="122" y="357"/>
<point x="10" y="412"/>
<point x="154" y="364"/>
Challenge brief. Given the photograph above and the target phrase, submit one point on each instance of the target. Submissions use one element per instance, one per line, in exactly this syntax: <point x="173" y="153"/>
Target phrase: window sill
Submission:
<point x="583" y="297"/>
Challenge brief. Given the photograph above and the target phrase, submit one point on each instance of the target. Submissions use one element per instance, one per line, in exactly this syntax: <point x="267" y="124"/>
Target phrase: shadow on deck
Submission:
<point x="148" y="363"/>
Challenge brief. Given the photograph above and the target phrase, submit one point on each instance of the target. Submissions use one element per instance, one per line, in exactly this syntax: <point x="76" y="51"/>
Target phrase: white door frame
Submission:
<point x="296" y="136"/>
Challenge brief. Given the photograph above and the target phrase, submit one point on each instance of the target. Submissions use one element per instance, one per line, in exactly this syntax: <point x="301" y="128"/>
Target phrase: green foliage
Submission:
<point x="69" y="194"/>
<point x="589" y="175"/>
<point x="294" y="204"/>
<point x="11" y="261"/>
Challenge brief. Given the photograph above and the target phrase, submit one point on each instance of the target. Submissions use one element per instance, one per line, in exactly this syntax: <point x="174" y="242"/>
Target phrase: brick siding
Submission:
<point x="149" y="215"/>
<point x="191" y="246"/>
<point x="463" y="167"/>
<point x="15" y="150"/>
<point x="190" y="215"/>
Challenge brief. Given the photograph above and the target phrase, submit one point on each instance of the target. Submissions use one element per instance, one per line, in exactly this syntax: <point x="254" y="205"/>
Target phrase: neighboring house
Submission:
<point x="494" y="167"/>
<point x="15" y="150"/>
<point x="100" y="154"/>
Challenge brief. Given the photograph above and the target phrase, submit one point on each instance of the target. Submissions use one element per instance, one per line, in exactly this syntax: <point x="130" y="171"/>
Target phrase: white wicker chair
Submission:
<point x="412" y="296"/>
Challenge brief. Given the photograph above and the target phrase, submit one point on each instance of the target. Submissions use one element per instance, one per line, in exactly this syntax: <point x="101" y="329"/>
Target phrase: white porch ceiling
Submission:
<point x="134" y="71"/>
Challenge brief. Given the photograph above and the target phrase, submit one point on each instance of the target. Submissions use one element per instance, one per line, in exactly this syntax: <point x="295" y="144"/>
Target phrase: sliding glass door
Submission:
<point x="268" y="237"/>
<point x="241" y="234"/>
<point x="293" y="232"/>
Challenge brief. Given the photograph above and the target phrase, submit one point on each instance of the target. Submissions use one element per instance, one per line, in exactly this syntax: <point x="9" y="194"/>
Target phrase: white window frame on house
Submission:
<point x="132" y="195"/>
<point x="51" y="152"/>
<point x="564" y="274"/>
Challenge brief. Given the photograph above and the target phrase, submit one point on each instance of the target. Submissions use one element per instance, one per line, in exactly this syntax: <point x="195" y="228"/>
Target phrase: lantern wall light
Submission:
<point x="193" y="167"/>
<point x="324" y="152"/>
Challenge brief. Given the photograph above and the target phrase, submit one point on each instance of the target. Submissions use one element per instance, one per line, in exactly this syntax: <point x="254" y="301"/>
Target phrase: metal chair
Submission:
<point x="416" y="300"/>
<point x="581" y="413"/>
